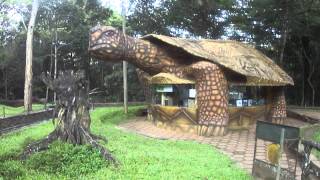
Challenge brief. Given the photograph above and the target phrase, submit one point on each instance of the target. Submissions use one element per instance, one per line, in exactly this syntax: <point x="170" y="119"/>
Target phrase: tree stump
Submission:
<point x="73" y="122"/>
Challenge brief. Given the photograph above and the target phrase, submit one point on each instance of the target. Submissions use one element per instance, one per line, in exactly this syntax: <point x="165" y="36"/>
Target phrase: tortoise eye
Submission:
<point x="109" y="33"/>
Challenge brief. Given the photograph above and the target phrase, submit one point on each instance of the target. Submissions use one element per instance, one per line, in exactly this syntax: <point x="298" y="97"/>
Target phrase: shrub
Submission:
<point x="67" y="159"/>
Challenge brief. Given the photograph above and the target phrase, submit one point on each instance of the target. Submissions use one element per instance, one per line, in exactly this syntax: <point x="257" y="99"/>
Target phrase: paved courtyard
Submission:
<point x="238" y="145"/>
<point x="308" y="112"/>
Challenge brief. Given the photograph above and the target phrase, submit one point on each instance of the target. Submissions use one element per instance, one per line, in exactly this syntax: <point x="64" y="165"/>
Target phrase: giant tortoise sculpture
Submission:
<point x="212" y="64"/>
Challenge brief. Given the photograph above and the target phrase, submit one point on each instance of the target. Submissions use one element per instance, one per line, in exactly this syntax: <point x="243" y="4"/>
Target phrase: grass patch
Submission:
<point x="67" y="159"/>
<point x="12" y="111"/>
<point x="316" y="137"/>
<point x="140" y="157"/>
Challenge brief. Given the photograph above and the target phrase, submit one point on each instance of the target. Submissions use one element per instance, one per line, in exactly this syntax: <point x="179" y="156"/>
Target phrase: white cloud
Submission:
<point x="112" y="4"/>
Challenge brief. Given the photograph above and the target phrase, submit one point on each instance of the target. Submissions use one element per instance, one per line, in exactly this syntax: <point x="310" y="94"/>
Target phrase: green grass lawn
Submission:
<point x="140" y="157"/>
<point x="11" y="111"/>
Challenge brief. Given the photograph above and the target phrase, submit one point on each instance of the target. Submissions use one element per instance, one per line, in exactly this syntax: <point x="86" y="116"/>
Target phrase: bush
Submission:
<point x="67" y="159"/>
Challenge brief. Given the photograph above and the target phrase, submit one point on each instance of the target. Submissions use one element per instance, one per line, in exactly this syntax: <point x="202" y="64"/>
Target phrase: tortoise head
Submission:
<point x="107" y="43"/>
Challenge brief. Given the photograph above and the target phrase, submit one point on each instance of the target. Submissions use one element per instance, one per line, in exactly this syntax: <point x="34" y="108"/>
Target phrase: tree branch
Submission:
<point x="2" y="2"/>
<point x="22" y="19"/>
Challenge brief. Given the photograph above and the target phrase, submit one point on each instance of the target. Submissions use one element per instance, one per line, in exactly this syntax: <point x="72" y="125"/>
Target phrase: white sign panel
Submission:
<point x="192" y="93"/>
<point x="165" y="89"/>
<point x="239" y="103"/>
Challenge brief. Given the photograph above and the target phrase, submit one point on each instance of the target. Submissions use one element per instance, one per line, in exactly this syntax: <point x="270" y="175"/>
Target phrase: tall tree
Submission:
<point x="287" y="31"/>
<point x="197" y="18"/>
<point x="29" y="54"/>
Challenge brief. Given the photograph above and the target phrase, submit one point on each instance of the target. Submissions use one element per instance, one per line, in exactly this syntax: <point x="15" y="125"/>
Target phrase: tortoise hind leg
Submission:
<point x="278" y="112"/>
<point x="212" y="98"/>
<point x="144" y="79"/>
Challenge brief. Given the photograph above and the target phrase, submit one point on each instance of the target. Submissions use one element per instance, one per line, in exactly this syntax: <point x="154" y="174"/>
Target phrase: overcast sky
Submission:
<point x="113" y="4"/>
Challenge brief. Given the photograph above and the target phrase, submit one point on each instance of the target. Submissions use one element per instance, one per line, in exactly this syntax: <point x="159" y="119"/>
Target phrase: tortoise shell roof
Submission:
<point x="241" y="58"/>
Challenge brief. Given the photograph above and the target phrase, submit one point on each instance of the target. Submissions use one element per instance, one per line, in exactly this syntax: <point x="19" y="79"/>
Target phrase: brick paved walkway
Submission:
<point x="238" y="145"/>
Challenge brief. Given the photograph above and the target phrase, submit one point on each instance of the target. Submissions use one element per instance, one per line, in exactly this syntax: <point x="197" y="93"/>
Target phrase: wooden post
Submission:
<point x="125" y="87"/>
<point x="280" y="154"/>
<point x="5" y="75"/>
<point x="55" y="62"/>
<point x="124" y="64"/>
<point x="50" y="73"/>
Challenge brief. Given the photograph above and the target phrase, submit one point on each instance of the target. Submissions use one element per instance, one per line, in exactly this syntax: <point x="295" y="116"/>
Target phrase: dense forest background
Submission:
<point x="286" y="31"/>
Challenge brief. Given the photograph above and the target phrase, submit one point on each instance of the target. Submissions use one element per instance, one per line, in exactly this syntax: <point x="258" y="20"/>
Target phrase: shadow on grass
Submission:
<point x="116" y="115"/>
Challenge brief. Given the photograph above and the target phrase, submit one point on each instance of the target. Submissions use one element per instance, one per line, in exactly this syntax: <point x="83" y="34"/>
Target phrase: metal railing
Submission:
<point x="8" y="111"/>
<point x="307" y="165"/>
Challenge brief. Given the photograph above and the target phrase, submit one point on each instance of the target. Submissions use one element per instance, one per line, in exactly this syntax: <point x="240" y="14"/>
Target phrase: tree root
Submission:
<point x="37" y="146"/>
<point x="73" y="125"/>
<point x="103" y="151"/>
<point x="98" y="137"/>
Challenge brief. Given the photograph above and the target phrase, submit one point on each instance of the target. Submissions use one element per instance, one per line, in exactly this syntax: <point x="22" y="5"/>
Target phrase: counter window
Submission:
<point x="175" y="95"/>
<point x="241" y="96"/>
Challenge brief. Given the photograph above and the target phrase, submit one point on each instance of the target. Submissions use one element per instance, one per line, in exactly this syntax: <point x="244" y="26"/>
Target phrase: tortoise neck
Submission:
<point x="149" y="57"/>
<point x="137" y="49"/>
<point x="141" y="53"/>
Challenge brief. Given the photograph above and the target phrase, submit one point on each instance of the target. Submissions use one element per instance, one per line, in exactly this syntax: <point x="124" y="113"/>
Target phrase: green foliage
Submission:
<point x="202" y="18"/>
<point x="316" y="137"/>
<point x="148" y="18"/>
<point x="115" y="20"/>
<point x="288" y="27"/>
<point x="72" y="19"/>
<point x="113" y="84"/>
<point x="279" y="28"/>
<point x="67" y="159"/>
<point x="140" y="157"/>
<point x="12" y="63"/>
<point x="260" y="22"/>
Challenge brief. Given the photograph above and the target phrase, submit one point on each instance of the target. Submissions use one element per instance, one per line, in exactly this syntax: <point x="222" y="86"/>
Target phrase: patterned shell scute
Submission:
<point x="237" y="56"/>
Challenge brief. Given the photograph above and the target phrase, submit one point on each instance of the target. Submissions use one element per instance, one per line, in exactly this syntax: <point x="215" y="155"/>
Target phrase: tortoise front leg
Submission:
<point x="212" y="98"/>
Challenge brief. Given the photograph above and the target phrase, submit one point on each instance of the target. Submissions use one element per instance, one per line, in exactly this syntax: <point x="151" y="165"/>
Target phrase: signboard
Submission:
<point x="239" y="103"/>
<point x="164" y="89"/>
<point x="192" y="93"/>
<point x="271" y="132"/>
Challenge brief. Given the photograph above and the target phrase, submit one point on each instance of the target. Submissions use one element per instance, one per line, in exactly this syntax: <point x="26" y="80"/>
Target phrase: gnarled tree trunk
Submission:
<point x="73" y="122"/>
